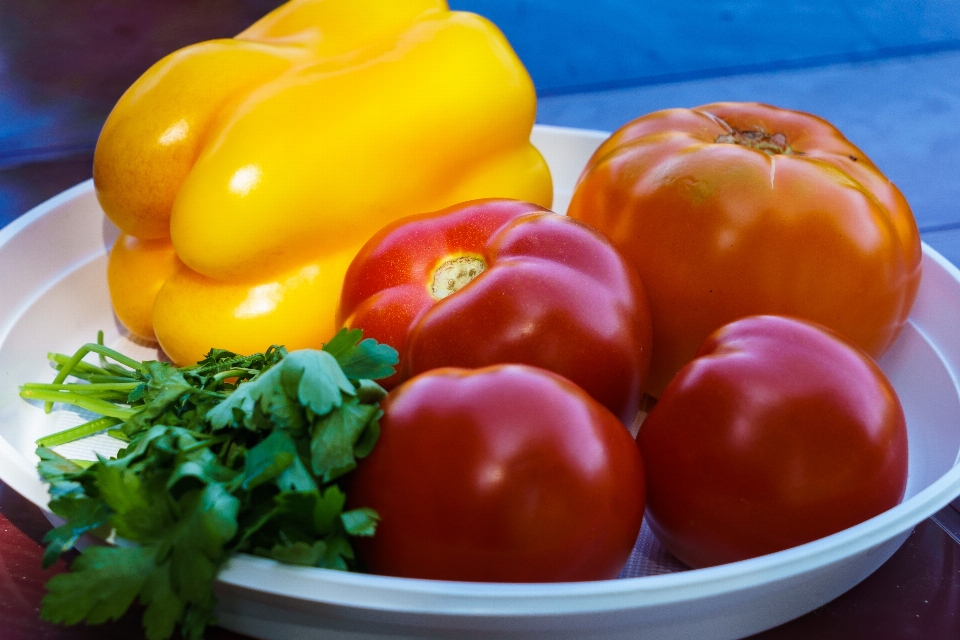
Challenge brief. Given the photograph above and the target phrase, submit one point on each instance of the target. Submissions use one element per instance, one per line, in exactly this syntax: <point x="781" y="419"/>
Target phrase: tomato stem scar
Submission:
<point x="453" y="274"/>
<point x="769" y="143"/>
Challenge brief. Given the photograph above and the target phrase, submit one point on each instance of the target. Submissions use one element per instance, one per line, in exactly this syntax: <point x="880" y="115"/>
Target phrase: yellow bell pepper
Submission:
<point x="246" y="173"/>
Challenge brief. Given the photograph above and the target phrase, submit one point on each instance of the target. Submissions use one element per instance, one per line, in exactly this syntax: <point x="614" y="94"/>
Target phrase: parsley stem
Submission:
<point x="105" y="392"/>
<point x="105" y="379"/>
<point x="96" y="405"/>
<point x="118" y="434"/>
<point x="83" y="387"/>
<point x="205" y="443"/>
<point x="86" y="371"/>
<point x="235" y="373"/>
<point x="78" y="432"/>
<point x="90" y="347"/>
<point x="211" y="394"/>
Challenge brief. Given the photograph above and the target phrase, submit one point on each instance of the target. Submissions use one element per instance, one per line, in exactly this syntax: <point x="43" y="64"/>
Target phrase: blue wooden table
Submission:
<point x="886" y="72"/>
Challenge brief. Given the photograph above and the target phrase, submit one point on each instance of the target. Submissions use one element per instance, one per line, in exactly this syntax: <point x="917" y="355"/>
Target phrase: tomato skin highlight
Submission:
<point x="780" y="432"/>
<point x="801" y="223"/>
<point x="554" y="294"/>
<point x="503" y="474"/>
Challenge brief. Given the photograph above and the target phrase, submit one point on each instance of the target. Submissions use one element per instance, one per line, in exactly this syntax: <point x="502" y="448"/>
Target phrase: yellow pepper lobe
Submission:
<point x="293" y="143"/>
<point x="193" y="313"/>
<point x="135" y="272"/>
<point x="319" y="157"/>
<point x="155" y="132"/>
<point x="332" y="28"/>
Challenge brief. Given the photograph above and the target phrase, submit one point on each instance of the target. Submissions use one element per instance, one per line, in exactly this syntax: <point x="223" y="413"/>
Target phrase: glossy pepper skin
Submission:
<point x="778" y="433"/>
<point x="499" y="281"/>
<point x="734" y="209"/>
<point x="268" y="159"/>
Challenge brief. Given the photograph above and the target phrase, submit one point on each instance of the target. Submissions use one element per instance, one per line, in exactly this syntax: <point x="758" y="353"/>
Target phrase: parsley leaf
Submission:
<point x="237" y="453"/>
<point x="335" y="437"/>
<point x="84" y="515"/>
<point x="360" y="522"/>
<point x="101" y="585"/>
<point x="164" y="386"/>
<point x="139" y="508"/>
<point x="362" y="359"/>
<point x="269" y="459"/>
<point x="164" y="607"/>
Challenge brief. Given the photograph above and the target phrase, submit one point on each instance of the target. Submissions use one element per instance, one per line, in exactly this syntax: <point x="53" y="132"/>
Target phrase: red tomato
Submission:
<point x="504" y="474"/>
<point x="496" y="281"/>
<point x="778" y="433"/>
<point x="729" y="210"/>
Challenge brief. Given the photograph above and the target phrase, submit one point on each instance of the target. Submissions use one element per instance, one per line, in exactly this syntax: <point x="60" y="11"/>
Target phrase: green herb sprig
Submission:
<point x="233" y="454"/>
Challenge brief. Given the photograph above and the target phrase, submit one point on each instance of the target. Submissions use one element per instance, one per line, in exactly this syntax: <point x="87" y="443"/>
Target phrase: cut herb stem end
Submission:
<point x="80" y="431"/>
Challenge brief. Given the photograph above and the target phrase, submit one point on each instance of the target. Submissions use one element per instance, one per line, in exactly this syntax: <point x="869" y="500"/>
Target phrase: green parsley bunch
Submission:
<point x="232" y="454"/>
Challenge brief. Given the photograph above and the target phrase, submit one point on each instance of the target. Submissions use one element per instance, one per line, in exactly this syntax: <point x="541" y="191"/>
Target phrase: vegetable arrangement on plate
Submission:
<point x="740" y="264"/>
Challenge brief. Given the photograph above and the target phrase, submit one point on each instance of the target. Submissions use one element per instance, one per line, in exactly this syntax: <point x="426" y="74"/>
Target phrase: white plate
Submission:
<point x="53" y="297"/>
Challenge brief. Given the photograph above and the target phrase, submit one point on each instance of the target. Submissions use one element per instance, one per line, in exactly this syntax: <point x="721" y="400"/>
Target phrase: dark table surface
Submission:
<point x="887" y="73"/>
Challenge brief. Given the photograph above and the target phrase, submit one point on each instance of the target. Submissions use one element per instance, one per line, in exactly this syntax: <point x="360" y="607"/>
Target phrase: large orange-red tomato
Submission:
<point x="780" y="432"/>
<point x="508" y="473"/>
<point x="494" y="281"/>
<point x="735" y="209"/>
